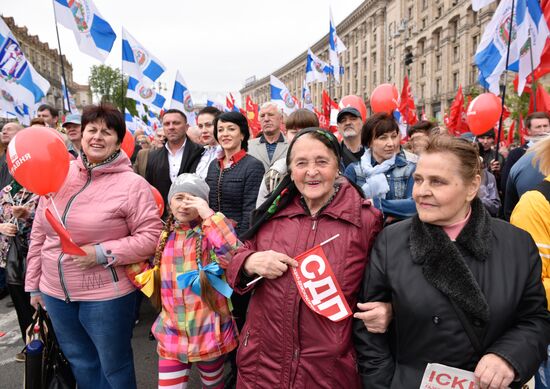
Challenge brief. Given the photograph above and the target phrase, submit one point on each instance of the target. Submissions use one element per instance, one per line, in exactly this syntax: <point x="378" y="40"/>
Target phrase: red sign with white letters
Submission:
<point x="318" y="285"/>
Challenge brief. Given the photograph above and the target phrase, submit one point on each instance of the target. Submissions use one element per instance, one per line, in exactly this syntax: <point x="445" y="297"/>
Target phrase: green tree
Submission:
<point x="107" y="85"/>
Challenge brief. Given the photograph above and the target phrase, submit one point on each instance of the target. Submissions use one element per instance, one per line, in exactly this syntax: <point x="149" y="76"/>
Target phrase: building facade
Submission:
<point x="46" y="61"/>
<point x="441" y="35"/>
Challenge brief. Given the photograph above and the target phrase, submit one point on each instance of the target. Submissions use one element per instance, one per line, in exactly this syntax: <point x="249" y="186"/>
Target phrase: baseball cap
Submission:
<point x="74" y="118"/>
<point x="347" y="110"/>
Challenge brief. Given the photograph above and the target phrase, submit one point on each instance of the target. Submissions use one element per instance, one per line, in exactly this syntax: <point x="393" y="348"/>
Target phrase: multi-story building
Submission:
<point x="46" y="61"/>
<point x="441" y="35"/>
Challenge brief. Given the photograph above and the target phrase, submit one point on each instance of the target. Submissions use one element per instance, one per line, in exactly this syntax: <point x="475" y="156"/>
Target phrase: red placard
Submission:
<point x="318" y="285"/>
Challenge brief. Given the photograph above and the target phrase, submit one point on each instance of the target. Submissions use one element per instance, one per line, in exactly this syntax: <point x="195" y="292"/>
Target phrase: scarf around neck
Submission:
<point x="376" y="184"/>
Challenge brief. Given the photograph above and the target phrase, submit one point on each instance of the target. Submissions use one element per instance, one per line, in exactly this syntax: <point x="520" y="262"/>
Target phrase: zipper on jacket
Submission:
<point x="63" y="286"/>
<point x="314" y="224"/>
<point x="113" y="273"/>
<point x="64" y="219"/>
<point x="220" y="176"/>
<point x="245" y="342"/>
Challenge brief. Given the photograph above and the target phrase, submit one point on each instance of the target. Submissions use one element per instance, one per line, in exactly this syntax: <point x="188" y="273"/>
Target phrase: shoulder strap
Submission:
<point x="544" y="188"/>
<point x="468" y="328"/>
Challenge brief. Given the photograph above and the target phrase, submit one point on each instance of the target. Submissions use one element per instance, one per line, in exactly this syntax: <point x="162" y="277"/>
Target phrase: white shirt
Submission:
<point x="174" y="160"/>
<point x="210" y="153"/>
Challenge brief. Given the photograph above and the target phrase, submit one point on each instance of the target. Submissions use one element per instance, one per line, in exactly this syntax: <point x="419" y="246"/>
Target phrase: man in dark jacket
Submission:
<point x="179" y="154"/>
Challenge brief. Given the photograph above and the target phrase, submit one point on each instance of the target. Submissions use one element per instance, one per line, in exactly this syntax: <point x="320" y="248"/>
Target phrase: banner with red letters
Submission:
<point x="318" y="285"/>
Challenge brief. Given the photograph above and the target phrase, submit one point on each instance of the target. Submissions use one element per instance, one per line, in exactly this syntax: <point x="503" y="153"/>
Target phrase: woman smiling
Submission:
<point x="110" y="212"/>
<point x="465" y="288"/>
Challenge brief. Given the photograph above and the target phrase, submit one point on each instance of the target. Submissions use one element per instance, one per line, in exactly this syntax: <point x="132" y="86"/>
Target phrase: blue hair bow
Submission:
<point x="213" y="273"/>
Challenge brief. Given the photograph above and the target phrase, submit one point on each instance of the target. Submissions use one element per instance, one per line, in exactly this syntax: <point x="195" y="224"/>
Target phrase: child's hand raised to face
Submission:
<point x="199" y="204"/>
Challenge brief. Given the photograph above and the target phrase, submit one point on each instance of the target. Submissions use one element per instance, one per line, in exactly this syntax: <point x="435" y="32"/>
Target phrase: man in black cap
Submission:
<point x="486" y="151"/>
<point x="349" y="126"/>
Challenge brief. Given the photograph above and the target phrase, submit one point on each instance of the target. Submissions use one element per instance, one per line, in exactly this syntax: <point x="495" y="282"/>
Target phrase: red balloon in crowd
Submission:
<point x="384" y="98"/>
<point x="355" y="102"/>
<point x="38" y="159"/>
<point x="128" y="144"/>
<point x="158" y="199"/>
<point x="483" y="113"/>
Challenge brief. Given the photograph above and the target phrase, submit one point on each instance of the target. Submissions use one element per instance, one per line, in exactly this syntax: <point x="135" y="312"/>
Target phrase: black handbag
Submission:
<point x="16" y="259"/>
<point x="50" y="369"/>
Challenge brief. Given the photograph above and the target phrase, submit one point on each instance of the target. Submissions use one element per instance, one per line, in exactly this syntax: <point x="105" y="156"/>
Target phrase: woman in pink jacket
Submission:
<point x="111" y="214"/>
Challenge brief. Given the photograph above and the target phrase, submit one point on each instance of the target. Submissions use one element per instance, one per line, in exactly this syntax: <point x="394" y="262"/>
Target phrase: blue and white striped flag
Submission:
<point x="490" y="56"/>
<point x="307" y="103"/>
<point x="335" y="47"/>
<point x="316" y="69"/>
<point x="138" y="62"/>
<point x="71" y="107"/>
<point x="181" y="99"/>
<point x="20" y="80"/>
<point x="220" y="106"/>
<point x="129" y="119"/>
<point x="281" y="95"/>
<point x="142" y="93"/>
<point x="93" y="34"/>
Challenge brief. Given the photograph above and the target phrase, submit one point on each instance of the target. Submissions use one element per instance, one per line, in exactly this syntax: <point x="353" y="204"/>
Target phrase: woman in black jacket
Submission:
<point x="235" y="177"/>
<point x="466" y="288"/>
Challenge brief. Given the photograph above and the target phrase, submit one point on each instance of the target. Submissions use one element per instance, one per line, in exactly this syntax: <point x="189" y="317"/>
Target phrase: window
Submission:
<point x="410" y="12"/>
<point x="421" y="44"/>
<point x="455" y="80"/>
<point x="374" y="78"/>
<point x="437" y="39"/>
<point x="453" y="29"/>
<point x="456" y="53"/>
<point x="424" y="4"/>
<point x="439" y="11"/>
<point x="374" y="59"/>
<point x="475" y="43"/>
<point x="424" y="23"/>
<point x="473" y="74"/>
<point x="423" y="68"/>
<point x="422" y="88"/>
<point x="438" y="62"/>
<point x="438" y="86"/>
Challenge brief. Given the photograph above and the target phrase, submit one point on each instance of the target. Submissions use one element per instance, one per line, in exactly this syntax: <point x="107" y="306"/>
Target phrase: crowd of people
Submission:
<point x="442" y="254"/>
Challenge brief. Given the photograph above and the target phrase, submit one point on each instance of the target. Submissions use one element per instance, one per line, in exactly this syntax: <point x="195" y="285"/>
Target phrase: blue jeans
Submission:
<point x="95" y="336"/>
<point x="542" y="378"/>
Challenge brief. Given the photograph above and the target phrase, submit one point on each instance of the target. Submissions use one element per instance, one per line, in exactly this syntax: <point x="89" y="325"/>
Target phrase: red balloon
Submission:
<point x="128" y="144"/>
<point x="158" y="199"/>
<point x="384" y="98"/>
<point x="38" y="159"/>
<point x="355" y="102"/>
<point x="483" y="113"/>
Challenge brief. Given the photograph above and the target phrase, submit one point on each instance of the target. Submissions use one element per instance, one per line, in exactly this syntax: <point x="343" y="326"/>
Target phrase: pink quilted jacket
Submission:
<point x="108" y="204"/>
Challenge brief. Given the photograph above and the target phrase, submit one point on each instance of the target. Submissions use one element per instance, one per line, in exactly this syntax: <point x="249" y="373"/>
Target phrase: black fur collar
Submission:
<point x="442" y="261"/>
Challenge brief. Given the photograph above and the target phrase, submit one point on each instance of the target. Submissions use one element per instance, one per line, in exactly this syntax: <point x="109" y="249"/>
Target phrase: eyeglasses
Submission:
<point x="205" y="125"/>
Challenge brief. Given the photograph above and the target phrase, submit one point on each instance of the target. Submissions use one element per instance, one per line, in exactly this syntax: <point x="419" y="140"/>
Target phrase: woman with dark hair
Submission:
<point x="465" y="288"/>
<point x="284" y="343"/>
<point x="235" y="177"/>
<point x="111" y="214"/>
<point x="384" y="173"/>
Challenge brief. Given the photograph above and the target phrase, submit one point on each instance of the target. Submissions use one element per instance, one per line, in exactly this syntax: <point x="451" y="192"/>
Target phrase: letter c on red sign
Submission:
<point x="312" y="259"/>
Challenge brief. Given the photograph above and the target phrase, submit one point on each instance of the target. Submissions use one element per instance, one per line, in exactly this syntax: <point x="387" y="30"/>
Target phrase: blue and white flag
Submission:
<point x="129" y="119"/>
<point x="71" y="107"/>
<point x="20" y="80"/>
<point x="281" y="95"/>
<point x="138" y="62"/>
<point x="316" y="69"/>
<point x="213" y="103"/>
<point x="335" y="47"/>
<point x="93" y="34"/>
<point x="538" y="33"/>
<point x="490" y="56"/>
<point x="13" y="106"/>
<point x="140" y="110"/>
<point x="478" y="4"/>
<point x="144" y="94"/>
<point x="154" y="121"/>
<point x="141" y="125"/>
<point x="181" y="99"/>
<point x="307" y="103"/>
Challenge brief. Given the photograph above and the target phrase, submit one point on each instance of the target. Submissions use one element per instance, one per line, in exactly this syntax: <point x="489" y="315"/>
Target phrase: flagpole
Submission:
<point x="122" y="100"/>
<point x="533" y="81"/>
<point x="510" y="33"/>
<point x="66" y="94"/>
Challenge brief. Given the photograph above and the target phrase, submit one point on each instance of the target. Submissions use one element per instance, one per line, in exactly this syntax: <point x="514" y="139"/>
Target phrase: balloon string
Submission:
<point x="23" y="195"/>
<point x="57" y="213"/>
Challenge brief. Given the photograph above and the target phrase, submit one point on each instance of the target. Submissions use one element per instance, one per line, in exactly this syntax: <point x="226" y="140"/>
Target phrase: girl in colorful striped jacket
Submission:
<point x="195" y="324"/>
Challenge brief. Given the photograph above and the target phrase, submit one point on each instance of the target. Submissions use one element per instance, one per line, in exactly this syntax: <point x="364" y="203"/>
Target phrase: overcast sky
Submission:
<point x="215" y="45"/>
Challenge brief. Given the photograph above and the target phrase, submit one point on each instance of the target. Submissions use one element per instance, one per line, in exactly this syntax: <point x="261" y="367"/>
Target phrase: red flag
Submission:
<point x="252" y="116"/>
<point x="229" y="104"/>
<point x="510" y="139"/>
<point x="543" y="100"/>
<point x="322" y="119"/>
<point x="318" y="286"/>
<point x="328" y="106"/>
<point x="407" y="108"/>
<point x="67" y="244"/>
<point x="456" y="121"/>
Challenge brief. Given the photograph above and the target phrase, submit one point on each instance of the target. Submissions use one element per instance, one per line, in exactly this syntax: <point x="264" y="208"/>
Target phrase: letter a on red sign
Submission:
<point x="318" y="285"/>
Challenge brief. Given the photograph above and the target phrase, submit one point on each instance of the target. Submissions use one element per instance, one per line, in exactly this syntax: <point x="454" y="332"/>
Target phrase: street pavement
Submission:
<point x="145" y="356"/>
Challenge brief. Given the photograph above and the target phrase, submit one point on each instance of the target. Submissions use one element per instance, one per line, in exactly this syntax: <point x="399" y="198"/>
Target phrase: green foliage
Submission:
<point x="108" y="85"/>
